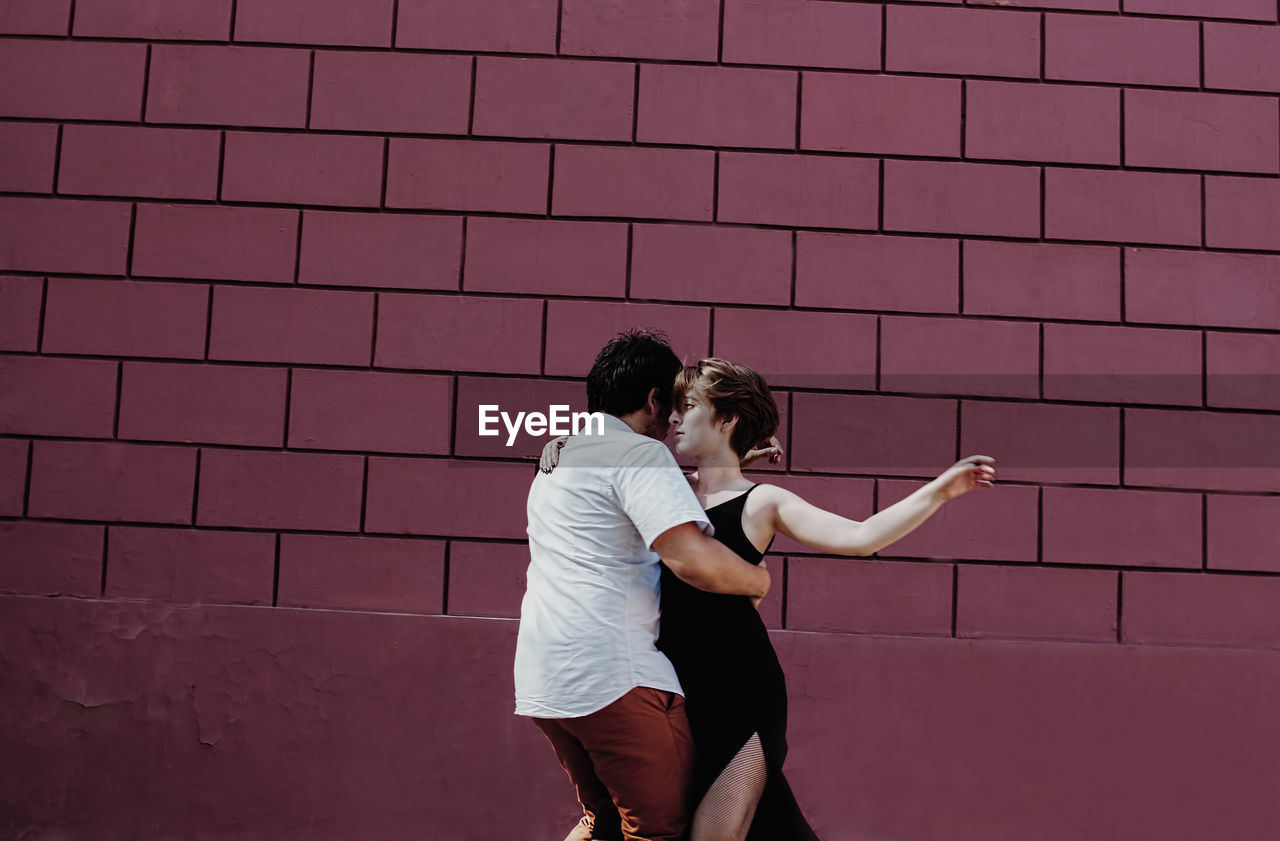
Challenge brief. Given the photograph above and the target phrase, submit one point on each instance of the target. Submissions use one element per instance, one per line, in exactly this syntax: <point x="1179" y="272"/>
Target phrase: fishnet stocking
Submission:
<point x="725" y="812"/>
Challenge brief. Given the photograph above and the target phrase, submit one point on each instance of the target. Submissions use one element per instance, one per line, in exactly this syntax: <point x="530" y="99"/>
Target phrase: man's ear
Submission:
<point x="652" y="404"/>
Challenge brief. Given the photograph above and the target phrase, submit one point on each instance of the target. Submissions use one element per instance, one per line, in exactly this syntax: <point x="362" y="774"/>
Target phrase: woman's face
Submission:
<point x="697" y="431"/>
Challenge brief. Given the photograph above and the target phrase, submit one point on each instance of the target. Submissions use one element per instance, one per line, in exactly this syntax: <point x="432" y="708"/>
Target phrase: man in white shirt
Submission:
<point x="587" y="670"/>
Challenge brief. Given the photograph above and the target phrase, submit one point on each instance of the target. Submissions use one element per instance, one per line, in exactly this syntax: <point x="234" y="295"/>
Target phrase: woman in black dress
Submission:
<point x="735" y="692"/>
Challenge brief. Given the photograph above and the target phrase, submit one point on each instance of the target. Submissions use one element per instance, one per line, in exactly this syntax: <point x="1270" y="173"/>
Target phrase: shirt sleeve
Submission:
<point x="653" y="491"/>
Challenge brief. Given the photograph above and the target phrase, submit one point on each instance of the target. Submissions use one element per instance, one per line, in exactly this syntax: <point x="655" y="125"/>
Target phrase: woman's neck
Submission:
<point x="719" y="471"/>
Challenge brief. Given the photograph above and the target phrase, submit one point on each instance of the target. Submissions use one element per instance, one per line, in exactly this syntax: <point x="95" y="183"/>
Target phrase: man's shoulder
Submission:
<point x="637" y="450"/>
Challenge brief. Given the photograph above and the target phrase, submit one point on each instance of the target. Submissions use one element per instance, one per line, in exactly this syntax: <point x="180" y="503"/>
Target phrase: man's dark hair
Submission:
<point x="627" y="368"/>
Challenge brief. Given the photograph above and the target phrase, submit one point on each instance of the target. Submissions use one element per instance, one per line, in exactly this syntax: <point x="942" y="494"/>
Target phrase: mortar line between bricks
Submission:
<point x="462" y="260"/>
<point x="795" y="261"/>
<point x="719" y="36"/>
<point x="715" y="187"/>
<point x="837" y="391"/>
<point x="711" y="332"/>
<point x="635" y="106"/>
<point x="222" y="159"/>
<point x="551" y="180"/>
<point x="471" y="101"/>
<point x="528" y="461"/>
<point x="604" y="299"/>
<point x="395" y="21"/>
<point x="799" y="108"/>
<point x="1040" y="524"/>
<point x="386" y="172"/>
<point x="626" y="279"/>
<point x="146" y="86"/>
<point x="57" y="158"/>
<point x="542" y="364"/>
<point x="133" y="230"/>
<point x="106" y="554"/>
<point x="1204" y="531"/>
<point x="1204" y="212"/>
<point x="44" y="312"/>
<point x="275" y="578"/>
<point x="964" y="117"/>
<point x="1121" y="449"/>
<point x="959" y="430"/>
<point x="1123" y="291"/>
<point x="879" y="341"/>
<point x="790" y="404"/>
<point x="880" y="198"/>
<point x="1201" y="34"/>
<point x="115" y="421"/>
<point x="609" y="144"/>
<point x="1120" y="606"/>
<point x="1122" y="128"/>
<point x="195" y="491"/>
<point x="444" y="583"/>
<point x="884" y="38"/>
<point x="71" y="20"/>
<point x="373" y="339"/>
<point x="1044" y="49"/>
<point x="297" y="249"/>
<point x="1044" y="202"/>
<point x="1040" y="364"/>
<point x="364" y="494"/>
<point x="559" y="23"/>
<point x="231" y="30"/>
<point x="288" y="407"/>
<point x="955" y="597"/>
<point x="960" y="276"/>
<point x="311" y="83"/>
<point x="1204" y="369"/>
<point x="453" y="411"/>
<point x="26" y="490"/>
<point x="757" y="65"/>
<point x="208" y="323"/>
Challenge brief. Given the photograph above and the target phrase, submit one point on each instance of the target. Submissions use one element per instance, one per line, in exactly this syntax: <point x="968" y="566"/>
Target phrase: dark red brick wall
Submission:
<point x="261" y="261"/>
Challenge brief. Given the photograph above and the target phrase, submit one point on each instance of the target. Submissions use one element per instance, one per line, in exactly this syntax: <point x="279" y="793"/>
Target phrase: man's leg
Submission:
<point x="641" y="750"/>
<point x="600" y="818"/>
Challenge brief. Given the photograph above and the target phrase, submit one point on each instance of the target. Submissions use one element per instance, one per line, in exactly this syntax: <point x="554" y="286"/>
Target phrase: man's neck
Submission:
<point x="637" y="421"/>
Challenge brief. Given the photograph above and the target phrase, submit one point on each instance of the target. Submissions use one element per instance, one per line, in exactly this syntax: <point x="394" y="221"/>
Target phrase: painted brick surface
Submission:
<point x="28" y="152"/>
<point x="125" y="318"/>
<point x="999" y="602"/>
<point x="179" y="20"/>
<point x="866" y="272"/>
<point x="190" y="565"/>
<point x="261" y="262"/>
<point x="385" y="574"/>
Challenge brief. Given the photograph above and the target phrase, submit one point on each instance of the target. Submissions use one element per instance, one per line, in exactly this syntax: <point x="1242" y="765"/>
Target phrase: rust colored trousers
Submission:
<point x="631" y="765"/>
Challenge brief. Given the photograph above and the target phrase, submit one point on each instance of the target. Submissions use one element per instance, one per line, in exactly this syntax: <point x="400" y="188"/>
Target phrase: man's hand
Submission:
<point x="708" y="564"/>
<point x="755" y="600"/>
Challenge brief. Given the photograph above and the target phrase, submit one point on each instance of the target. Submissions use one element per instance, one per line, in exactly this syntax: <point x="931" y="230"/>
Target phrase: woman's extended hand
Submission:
<point x="551" y="454"/>
<point x="772" y="450"/>
<point x="965" y="475"/>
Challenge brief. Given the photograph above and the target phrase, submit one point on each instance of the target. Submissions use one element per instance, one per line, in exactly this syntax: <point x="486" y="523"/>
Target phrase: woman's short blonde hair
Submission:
<point x="733" y="391"/>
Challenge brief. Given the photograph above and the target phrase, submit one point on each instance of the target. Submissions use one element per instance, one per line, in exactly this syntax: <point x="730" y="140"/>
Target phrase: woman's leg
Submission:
<point x="726" y="811"/>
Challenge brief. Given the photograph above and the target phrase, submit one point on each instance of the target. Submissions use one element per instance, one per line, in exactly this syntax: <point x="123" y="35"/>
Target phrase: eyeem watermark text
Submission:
<point x="536" y="423"/>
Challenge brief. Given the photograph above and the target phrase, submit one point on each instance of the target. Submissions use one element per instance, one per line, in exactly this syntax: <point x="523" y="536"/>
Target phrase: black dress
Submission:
<point x="732" y="680"/>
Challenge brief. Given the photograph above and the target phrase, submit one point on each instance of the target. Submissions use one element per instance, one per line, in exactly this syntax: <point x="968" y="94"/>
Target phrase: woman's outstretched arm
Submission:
<point x="837" y="535"/>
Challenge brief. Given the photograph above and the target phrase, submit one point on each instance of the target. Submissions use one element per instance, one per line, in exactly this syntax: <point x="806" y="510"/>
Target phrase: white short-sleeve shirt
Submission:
<point x="589" y="617"/>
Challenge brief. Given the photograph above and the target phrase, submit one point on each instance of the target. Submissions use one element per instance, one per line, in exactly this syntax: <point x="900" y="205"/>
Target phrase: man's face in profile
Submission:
<point x="660" y="425"/>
